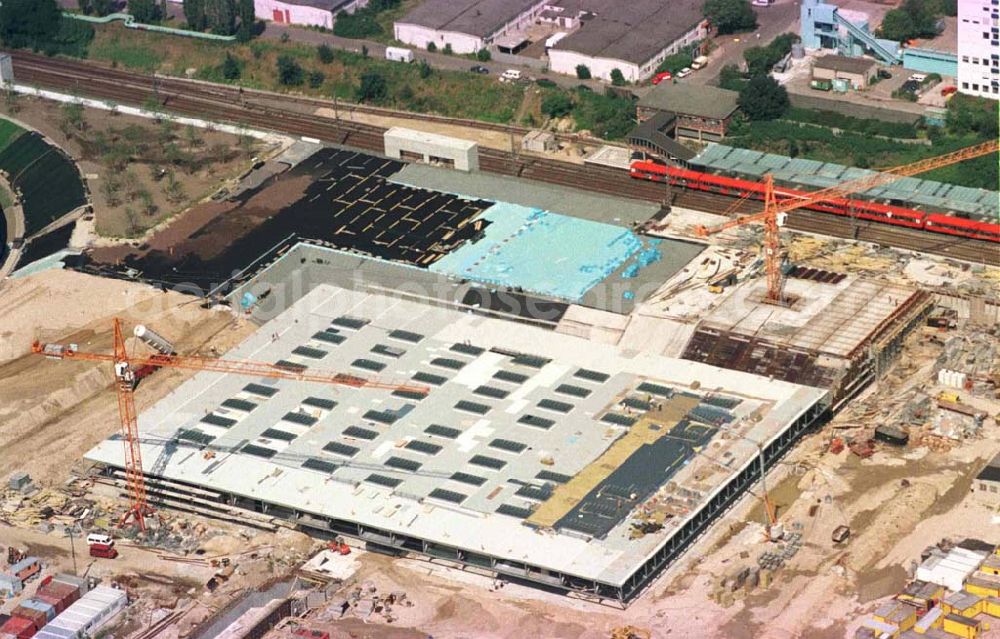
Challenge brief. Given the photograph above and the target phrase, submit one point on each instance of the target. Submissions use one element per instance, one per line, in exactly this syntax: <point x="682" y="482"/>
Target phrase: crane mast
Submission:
<point x="125" y="367"/>
<point x="774" y="211"/>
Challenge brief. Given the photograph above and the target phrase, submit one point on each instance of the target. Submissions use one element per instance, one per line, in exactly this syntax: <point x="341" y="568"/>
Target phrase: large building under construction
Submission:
<point x="565" y="401"/>
<point x="533" y="455"/>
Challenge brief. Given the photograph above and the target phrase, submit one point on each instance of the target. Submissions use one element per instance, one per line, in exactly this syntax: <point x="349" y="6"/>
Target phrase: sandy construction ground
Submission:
<point x="51" y="412"/>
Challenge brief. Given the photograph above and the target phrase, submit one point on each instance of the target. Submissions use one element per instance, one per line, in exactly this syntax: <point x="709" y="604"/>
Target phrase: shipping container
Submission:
<point x="26" y="568"/>
<point x="37" y="617"/>
<point x="57" y="604"/>
<point x="42" y="606"/>
<point x="73" y="580"/>
<point x="65" y="593"/>
<point x="19" y="627"/>
<point x="10" y="585"/>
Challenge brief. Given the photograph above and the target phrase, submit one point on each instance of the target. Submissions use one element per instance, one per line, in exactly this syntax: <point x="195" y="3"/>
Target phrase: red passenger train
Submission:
<point x="861" y="209"/>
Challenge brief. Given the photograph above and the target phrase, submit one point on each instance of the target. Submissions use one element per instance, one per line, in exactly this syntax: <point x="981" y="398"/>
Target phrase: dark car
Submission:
<point x="480" y="69"/>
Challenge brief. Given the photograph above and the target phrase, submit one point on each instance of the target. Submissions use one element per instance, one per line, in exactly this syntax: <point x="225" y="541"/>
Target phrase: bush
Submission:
<point x="730" y="77"/>
<point x="607" y="116"/>
<point x="730" y="16"/>
<point x="583" y="72"/>
<point x="484" y="55"/>
<point x="289" y="71"/>
<point x="447" y="49"/>
<point x="969" y="114"/>
<point x="424" y="70"/>
<point x="675" y="62"/>
<point x="360" y="24"/>
<point x="432" y="47"/>
<point x="325" y="53"/>
<point x="231" y="68"/>
<point x="316" y="79"/>
<point x="617" y="78"/>
<point x="556" y="105"/>
<point x="760" y="59"/>
<point x="373" y="88"/>
<point x="763" y="98"/>
<point x="850" y="124"/>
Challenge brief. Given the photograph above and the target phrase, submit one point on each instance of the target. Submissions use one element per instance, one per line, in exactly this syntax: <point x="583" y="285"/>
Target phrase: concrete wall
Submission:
<point x="430" y="149"/>
<point x="805" y="101"/>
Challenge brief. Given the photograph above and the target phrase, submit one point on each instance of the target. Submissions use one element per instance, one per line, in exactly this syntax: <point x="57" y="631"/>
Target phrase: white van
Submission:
<point x="510" y="75"/>
<point x="700" y="62"/>
<point x="99" y="539"/>
<point x="397" y="54"/>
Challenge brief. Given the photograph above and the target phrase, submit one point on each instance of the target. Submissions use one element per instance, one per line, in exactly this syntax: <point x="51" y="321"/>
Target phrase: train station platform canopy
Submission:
<point x="812" y="174"/>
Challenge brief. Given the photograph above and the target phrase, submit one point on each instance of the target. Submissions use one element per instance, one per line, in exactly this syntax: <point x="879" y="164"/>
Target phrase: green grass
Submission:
<point x="8" y="133"/>
<point x="118" y="50"/>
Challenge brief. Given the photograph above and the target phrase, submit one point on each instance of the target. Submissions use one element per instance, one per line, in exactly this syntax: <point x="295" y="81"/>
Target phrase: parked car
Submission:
<point x="660" y="77"/>
<point x="510" y="75"/>
<point x="700" y="62"/>
<point x="480" y="69"/>
<point x="761" y="3"/>
<point x="917" y="77"/>
<point x="910" y="86"/>
<point x="884" y="74"/>
<point x="685" y="72"/>
<point x="948" y="90"/>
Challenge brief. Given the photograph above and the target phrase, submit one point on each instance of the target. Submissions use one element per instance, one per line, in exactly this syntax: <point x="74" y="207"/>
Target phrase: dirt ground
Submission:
<point x="198" y="163"/>
<point x="51" y="412"/>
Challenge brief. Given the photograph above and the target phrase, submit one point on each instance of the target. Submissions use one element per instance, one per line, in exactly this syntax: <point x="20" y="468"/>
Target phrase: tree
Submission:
<point x="247" y="19"/>
<point x="360" y="24"/>
<point x="763" y="98"/>
<point x="583" y="72"/>
<point x="220" y="16"/>
<point x="730" y="16"/>
<point x="28" y="23"/>
<point x="99" y="7"/>
<point x="484" y="55"/>
<point x="373" y="88"/>
<point x="316" y="79"/>
<point x="618" y="78"/>
<point x="432" y="47"/>
<point x="557" y="105"/>
<point x="447" y="49"/>
<point x="897" y="25"/>
<point x="146" y="11"/>
<point x="424" y="70"/>
<point x="325" y="53"/>
<point x="194" y="13"/>
<point x="289" y="72"/>
<point x="675" y="62"/>
<point x="231" y="68"/>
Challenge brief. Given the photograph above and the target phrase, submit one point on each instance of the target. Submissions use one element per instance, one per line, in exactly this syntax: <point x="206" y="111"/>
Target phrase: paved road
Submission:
<point x="780" y="17"/>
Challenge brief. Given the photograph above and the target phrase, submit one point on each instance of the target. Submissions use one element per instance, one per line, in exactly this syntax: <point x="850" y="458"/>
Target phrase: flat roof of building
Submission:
<point x="844" y="63"/>
<point x="991" y="472"/>
<point x="522" y="430"/>
<point x="424" y="137"/>
<point x="633" y="31"/>
<point x="481" y="18"/>
<point x="691" y="99"/>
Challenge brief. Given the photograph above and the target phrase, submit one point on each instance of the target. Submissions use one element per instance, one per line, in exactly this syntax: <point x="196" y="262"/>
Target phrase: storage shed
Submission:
<point x="431" y="148"/>
<point x="986" y="485"/>
<point x="858" y="71"/>
<point x="87" y="615"/>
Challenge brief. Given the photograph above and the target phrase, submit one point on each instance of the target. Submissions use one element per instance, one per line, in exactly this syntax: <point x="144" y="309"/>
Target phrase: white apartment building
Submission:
<point x="979" y="48"/>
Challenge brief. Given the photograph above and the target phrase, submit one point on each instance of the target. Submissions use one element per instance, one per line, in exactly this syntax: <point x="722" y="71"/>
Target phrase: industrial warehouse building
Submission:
<point x="466" y="25"/>
<point x="313" y="13"/>
<point x="633" y="37"/>
<point x="521" y="430"/>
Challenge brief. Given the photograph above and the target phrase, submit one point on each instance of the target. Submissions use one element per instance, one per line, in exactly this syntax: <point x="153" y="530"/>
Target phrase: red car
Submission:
<point x="946" y="91"/>
<point x="660" y="77"/>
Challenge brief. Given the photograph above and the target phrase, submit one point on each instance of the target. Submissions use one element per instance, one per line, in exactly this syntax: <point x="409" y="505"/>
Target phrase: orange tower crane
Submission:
<point x="774" y="209"/>
<point x="125" y="366"/>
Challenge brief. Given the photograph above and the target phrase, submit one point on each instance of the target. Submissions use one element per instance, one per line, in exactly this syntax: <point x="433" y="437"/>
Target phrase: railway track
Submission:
<point x="250" y="109"/>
